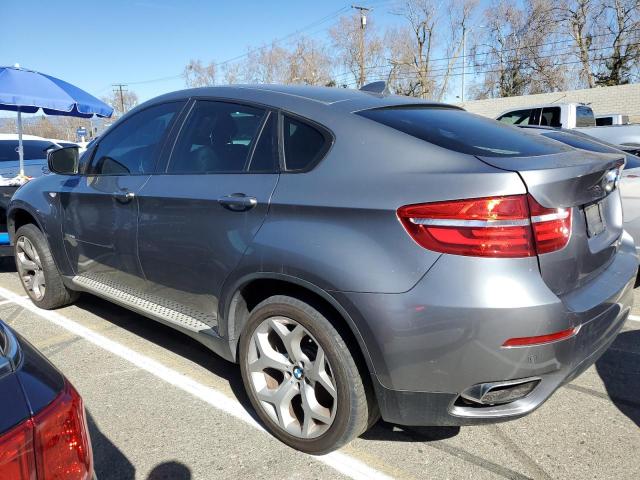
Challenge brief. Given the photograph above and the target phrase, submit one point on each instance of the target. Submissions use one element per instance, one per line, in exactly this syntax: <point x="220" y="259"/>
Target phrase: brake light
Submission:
<point x="551" y="226"/>
<point x="508" y="226"/>
<point x="17" y="459"/>
<point x="55" y="443"/>
<point x="63" y="449"/>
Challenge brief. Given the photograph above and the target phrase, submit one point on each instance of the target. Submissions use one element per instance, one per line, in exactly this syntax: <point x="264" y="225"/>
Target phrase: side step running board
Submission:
<point x="148" y="308"/>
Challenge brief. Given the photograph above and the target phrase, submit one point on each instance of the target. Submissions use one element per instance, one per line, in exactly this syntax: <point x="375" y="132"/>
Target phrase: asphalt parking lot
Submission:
<point x="161" y="406"/>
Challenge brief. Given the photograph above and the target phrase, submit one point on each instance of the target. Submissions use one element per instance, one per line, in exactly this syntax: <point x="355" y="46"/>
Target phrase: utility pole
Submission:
<point x="464" y="58"/>
<point x="363" y="25"/>
<point x="119" y="90"/>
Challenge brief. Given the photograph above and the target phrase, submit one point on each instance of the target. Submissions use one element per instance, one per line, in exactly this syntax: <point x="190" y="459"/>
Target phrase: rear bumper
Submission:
<point x="432" y="343"/>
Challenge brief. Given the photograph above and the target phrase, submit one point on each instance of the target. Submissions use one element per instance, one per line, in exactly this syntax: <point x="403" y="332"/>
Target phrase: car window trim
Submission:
<point x="257" y="138"/>
<point x="91" y="162"/>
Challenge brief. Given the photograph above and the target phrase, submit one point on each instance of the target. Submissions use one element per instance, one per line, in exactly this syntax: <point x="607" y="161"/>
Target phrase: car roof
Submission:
<point x="282" y="96"/>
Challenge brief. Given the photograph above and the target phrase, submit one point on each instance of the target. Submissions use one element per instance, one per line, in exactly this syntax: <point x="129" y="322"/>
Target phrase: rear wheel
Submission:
<point x="301" y="378"/>
<point x="37" y="270"/>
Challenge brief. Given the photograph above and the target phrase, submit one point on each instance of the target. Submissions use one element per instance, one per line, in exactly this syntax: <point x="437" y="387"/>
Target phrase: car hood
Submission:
<point x="32" y="168"/>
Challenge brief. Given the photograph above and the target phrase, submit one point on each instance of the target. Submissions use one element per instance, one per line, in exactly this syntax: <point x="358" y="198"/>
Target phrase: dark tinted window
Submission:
<point x="33" y="150"/>
<point x="578" y="141"/>
<point x="216" y="138"/>
<point x="584" y="117"/>
<point x="464" y="132"/>
<point x="604" y="121"/>
<point x="132" y="147"/>
<point x="550" y="117"/>
<point x="304" y="145"/>
<point x="265" y="156"/>
<point x="518" y="117"/>
<point x="631" y="161"/>
<point x="585" y="143"/>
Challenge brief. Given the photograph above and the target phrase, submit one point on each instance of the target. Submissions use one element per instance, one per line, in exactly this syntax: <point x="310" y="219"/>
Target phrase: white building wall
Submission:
<point x="624" y="99"/>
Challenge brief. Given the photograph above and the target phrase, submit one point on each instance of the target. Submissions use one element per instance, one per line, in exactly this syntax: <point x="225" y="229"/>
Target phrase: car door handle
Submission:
<point x="124" y="196"/>
<point x="238" y="202"/>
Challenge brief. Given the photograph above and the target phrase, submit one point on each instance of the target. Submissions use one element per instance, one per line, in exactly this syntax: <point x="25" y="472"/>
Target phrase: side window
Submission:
<point x="584" y="117"/>
<point x="133" y="146"/>
<point x="517" y="117"/>
<point x="551" y="117"/>
<point x="216" y="138"/>
<point x="604" y="121"/>
<point x="265" y="157"/>
<point x="304" y="145"/>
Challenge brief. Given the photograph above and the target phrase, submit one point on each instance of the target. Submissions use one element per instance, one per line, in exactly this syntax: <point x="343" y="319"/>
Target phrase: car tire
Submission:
<point x="37" y="270"/>
<point x="317" y="421"/>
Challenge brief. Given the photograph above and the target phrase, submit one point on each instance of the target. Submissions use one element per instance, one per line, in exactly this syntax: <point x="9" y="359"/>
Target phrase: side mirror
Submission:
<point x="64" y="160"/>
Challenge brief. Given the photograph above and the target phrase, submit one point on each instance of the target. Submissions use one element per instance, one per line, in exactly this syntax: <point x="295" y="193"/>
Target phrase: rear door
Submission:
<point x="100" y="209"/>
<point x="200" y="214"/>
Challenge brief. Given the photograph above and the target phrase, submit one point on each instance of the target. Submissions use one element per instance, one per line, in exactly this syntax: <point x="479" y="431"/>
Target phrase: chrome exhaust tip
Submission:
<point x="498" y="393"/>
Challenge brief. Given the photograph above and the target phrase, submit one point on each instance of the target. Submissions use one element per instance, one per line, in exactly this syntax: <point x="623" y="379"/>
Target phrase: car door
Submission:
<point x="99" y="208"/>
<point x="199" y="216"/>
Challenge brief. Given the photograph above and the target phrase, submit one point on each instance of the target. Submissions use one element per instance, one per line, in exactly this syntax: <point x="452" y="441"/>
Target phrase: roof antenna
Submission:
<point x="376" y="87"/>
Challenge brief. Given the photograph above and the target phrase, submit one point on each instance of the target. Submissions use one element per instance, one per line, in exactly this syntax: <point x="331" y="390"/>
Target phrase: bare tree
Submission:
<point x="460" y="12"/>
<point x="267" y="64"/>
<point x="517" y="54"/>
<point x="308" y="63"/>
<point x="359" y="48"/>
<point x="578" y="18"/>
<point x="127" y="99"/>
<point x="620" y="24"/>
<point x="196" y="74"/>
<point x="414" y="48"/>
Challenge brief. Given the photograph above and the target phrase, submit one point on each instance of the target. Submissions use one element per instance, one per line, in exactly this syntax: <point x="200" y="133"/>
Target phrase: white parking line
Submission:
<point x="345" y="464"/>
<point x="634" y="318"/>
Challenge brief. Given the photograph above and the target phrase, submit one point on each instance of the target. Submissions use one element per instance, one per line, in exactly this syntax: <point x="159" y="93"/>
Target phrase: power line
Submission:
<point x="506" y="50"/>
<point x="407" y="75"/>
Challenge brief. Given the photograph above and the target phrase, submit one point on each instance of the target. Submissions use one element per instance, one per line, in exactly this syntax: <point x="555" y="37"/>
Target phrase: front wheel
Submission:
<point x="300" y="376"/>
<point x="37" y="270"/>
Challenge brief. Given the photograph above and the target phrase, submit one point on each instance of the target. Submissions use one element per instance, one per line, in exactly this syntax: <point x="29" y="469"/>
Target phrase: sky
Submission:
<point x="95" y="44"/>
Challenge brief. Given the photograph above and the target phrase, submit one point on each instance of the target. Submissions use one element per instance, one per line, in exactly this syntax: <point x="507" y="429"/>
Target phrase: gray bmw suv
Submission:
<point x="357" y="254"/>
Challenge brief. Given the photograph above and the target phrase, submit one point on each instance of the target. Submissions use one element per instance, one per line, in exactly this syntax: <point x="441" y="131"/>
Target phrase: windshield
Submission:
<point x="33" y="150"/>
<point x="463" y="132"/>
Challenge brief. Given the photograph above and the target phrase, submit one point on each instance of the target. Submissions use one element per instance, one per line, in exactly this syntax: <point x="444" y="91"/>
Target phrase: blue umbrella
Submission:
<point x="28" y="91"/>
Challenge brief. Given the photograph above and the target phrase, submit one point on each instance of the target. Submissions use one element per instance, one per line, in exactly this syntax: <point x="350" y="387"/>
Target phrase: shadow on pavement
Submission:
<point x="109" y="461"/>
<point x="397" y="433"/>
<point x="619" y="369"/>
<point x="7" y="264"/>
<point x="169" y="339"/>
<point x="170" y="471"/>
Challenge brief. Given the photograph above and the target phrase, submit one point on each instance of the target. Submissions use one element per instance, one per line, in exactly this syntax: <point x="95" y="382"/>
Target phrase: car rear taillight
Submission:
<point x="509" y="226"/>
<point x="63" y="449"/>
<point x="17" y="460"/>
<point x="55" y="443"/>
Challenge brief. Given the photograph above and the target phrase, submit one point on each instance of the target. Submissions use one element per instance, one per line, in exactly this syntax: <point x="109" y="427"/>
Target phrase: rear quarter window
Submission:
<point x="304" y="144"/>
<point x="463" y="132"/>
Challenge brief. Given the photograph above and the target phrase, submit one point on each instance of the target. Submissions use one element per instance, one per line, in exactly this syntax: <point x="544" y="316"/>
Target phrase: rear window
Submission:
<point x="463" y="132"/>
<point x="583" y="143"/>
<point x="33" y="150"/>
<point x="585" y="117"/>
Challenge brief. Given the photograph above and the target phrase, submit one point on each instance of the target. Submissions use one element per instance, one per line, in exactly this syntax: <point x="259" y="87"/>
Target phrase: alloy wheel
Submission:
<point x="30" y="268"/>
<point x="292" y="378"/>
